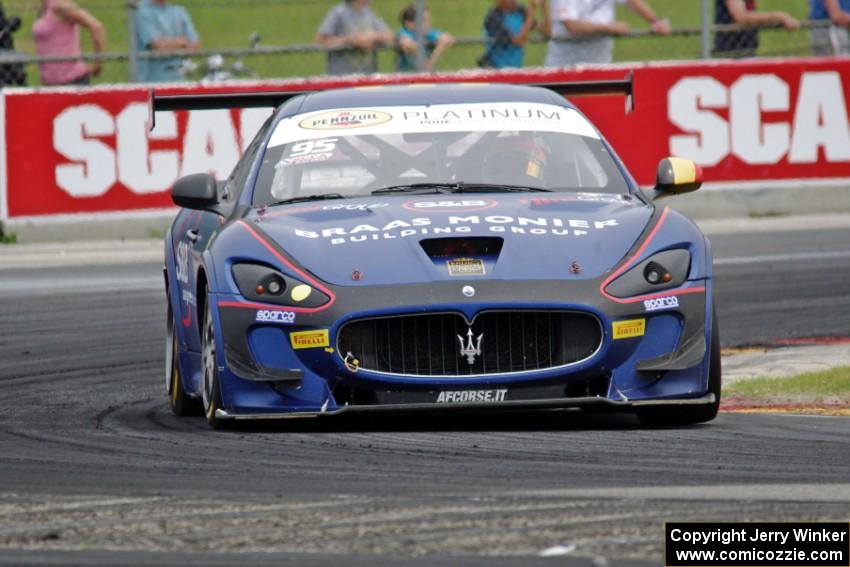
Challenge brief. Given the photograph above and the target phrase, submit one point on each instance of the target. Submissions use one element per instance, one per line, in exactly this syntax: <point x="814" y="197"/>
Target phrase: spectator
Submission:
<point x="436" y="41"/>
<point x="744" y="43"/>
<point x="507" y="26"/>
<point x="163" y="26"/>
<point x="833" y="40"/>
<point x="588" y="26"/>
<point x="10" y="73"/>
<point x="56" y="32"/>
<point x="350" y="32"/>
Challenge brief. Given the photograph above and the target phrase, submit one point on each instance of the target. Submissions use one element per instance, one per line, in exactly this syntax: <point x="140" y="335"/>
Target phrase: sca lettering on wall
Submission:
<point x="210" y="142"/>
<point x="818" y="120"/>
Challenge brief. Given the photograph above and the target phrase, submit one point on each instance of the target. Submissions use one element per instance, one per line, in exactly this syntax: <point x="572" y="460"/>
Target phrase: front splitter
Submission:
<point x="560" y="403"/>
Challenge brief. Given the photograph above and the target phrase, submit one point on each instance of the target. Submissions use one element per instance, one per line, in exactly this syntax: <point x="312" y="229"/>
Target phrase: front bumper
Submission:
<point x="263" y="376"/>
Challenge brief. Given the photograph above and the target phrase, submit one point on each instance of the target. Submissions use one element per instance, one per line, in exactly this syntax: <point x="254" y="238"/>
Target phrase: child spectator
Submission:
<point x="350" y="32"/>
<point x="744" y="43"/>
<point x="581" y="30"/>
<point x="163" y="26"/>
<point x="436" y="41"/>
<point x="833" y="40"/>
<point x="507" y="26"/>
<point x="56" y="32"/>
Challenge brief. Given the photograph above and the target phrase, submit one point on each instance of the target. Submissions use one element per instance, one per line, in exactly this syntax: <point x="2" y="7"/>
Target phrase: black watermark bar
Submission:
<point x="752" y="544"/>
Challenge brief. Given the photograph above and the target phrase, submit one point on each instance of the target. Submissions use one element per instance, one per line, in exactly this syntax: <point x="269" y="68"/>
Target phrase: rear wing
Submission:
<point x="623" y="87"/>
<point x="274" y="99"/>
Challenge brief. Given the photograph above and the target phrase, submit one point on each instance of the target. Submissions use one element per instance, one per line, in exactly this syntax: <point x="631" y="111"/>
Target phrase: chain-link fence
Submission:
<point x="242" y="39"/>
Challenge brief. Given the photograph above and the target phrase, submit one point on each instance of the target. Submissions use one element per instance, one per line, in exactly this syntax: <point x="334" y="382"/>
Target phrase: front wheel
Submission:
<point x="687" y="415"/>
<point x="181" y="404"/>
<point x="211" y="389"/>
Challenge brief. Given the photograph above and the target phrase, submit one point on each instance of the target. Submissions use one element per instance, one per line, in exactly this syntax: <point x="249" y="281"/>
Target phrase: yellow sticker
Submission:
<point x="466" y="267"/>
<point x="300" y="292"/>
<point x="629" y="329"/>
<point x="684" y="171"/>
<point x="345" y="119"/>
<point x="309" y="339"/>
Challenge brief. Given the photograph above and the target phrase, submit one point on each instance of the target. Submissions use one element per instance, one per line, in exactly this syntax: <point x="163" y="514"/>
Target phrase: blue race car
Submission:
<point x="443" y="247"/>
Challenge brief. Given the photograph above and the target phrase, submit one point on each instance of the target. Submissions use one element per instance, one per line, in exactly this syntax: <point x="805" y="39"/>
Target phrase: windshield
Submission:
<point x="355" y="152"/>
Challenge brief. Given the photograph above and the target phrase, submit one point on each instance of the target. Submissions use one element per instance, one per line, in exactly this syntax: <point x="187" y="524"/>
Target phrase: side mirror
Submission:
<point x="676" y="176"/>
<point x="198" y="191"/>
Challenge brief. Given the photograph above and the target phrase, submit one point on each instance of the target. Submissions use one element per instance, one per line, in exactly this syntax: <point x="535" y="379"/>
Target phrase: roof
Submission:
<point x="423" y="94"/>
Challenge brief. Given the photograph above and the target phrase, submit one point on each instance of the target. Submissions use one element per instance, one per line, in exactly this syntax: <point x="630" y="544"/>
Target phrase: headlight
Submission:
<point x="661" y="271"/>
<point x="258" y="282"/>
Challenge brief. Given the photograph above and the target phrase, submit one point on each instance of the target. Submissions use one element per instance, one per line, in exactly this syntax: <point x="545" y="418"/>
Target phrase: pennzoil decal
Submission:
<point x="345" y="119"/>
<point x="466" y="267"/>
<point x="309" y="339"/>
<point x="629" y="329"/>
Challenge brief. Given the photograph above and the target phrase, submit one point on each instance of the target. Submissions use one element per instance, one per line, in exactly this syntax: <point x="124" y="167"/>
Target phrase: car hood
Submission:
<point x="380" y="240"/>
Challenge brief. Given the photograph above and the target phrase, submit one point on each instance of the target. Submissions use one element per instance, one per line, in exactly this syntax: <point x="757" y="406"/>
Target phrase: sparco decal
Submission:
<point x="422" y="226"/>
<point x="660" y="303"/>
<point x="270" y="316"/>
<point x="468" y="396"/>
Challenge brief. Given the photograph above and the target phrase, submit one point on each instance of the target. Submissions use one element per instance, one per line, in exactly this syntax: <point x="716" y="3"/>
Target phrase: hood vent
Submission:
<point x="472" y="247"/>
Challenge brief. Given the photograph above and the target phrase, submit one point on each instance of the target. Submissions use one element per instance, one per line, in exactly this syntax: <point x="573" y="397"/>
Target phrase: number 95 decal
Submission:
<point x="660" y="303"/>
<point x="310" y="151"/>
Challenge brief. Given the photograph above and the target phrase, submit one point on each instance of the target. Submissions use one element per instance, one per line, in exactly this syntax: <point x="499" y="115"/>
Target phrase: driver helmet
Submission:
<point x="516" y="159"/>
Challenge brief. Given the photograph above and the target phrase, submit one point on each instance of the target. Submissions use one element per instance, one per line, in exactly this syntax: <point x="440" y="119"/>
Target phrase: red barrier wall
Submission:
<point x="85" y="151"/>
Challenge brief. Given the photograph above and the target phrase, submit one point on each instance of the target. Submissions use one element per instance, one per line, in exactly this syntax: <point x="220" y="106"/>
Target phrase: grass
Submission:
<point x="830" y="386"/>
<point x="6" y="239"/>
<point x="156" y="233"/>
<point x="228" y="23"/>
<point x="768" y="214"/>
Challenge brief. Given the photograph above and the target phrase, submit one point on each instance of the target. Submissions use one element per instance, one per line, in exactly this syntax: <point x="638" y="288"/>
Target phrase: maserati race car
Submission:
<point x="442" y="247"/>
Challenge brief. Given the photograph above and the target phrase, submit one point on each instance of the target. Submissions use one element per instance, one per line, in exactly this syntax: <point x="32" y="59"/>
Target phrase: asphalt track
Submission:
<point x="95" y="470"/>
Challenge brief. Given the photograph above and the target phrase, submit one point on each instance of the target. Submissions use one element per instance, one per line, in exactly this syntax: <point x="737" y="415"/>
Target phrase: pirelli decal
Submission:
<point x="629" y="329"/>
<point x="309" y="339"/>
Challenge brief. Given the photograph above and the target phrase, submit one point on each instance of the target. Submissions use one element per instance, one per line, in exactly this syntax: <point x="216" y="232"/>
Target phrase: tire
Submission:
<point x="180" y="402"/>
<point x="211" y="388"/>
<point x="688" y="415"/>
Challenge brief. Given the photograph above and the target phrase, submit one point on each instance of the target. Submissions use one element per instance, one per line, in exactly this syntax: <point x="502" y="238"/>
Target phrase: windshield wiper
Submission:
<point x="497" y="188"/>
<point x="304" y="198"/>
<point x="459" y="187"/>
<point x="418" y="188"/>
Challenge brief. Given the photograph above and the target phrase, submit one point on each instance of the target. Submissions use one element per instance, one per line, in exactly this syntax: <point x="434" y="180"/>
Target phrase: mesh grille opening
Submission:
<point x="444" y="344"/>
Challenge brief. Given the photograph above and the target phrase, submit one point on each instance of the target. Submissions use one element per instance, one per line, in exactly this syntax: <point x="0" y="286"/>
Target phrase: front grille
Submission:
<point x="512" y="341"/>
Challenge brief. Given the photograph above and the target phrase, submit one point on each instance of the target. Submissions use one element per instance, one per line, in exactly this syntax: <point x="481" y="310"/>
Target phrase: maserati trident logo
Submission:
<point x="471" y="349"/>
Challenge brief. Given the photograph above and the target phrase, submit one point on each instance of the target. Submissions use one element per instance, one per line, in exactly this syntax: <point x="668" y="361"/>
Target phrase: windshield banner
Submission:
<point x="71" y="151"/>
<point x="478" y="117"/>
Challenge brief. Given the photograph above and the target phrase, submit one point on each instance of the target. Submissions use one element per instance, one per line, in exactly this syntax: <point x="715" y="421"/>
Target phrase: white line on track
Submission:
<point x="797" y="492"/>
<point x="82" y="284"/>
<point x="786" y="257"/>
